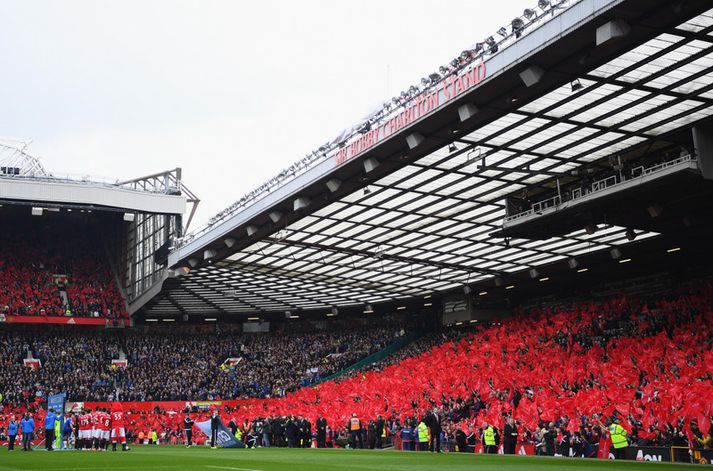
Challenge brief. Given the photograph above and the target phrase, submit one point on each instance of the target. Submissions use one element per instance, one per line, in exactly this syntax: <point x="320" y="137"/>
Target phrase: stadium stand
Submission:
<point x="53" y="269"/>
<point x="175" y="364"/>
<point x="647" y="362"/>
<point x="581" y="165"/>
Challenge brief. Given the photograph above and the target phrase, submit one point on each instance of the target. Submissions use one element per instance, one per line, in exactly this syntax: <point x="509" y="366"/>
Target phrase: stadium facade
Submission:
<point x="136" y="219"/>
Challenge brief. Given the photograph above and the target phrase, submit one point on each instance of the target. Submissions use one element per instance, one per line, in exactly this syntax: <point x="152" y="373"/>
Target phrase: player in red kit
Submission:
<point x="118" y="432"/>
<point x="85" y="430"/>
<point x="96" y="431"/>
<point x="105" y="427"/>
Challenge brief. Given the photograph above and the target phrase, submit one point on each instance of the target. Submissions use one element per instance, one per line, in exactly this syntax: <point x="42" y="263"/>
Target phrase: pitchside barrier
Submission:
<point x="673" y="454"/>
<point x="149" y="406"/>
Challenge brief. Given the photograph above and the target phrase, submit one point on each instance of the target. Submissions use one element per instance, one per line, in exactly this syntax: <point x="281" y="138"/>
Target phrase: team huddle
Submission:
<point x="95" y="430"/>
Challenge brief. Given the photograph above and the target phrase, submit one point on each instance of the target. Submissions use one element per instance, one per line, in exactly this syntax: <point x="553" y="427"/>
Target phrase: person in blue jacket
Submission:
<point x="66" y="432"/>
<point x="28" y="431"/>
<point x="50" y="420"/>
<point x="407" y="438"/>
<point x="11" y="433"/>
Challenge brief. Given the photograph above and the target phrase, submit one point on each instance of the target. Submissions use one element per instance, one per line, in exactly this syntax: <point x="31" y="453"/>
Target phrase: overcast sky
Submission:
<point x="231" y="91"/>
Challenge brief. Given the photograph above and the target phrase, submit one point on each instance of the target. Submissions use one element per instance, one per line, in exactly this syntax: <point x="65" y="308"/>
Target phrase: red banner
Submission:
<point x="166" y="405"/>
<point x="525" y="449"/>
<point x="64" y="320"/>
<point x="34" y="364"/>
<point x="520" y="449"/>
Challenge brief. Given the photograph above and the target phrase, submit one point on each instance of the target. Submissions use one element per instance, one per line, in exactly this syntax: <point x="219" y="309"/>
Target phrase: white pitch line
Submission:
<point x="232" y="468"/>
<point x="128" y="466"/>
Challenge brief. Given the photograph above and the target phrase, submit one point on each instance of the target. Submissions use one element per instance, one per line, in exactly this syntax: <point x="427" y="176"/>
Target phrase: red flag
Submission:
<point x="604" y="446"/>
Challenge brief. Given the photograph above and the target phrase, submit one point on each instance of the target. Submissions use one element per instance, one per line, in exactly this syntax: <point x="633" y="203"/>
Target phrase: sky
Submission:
<point x="230" y="91"/>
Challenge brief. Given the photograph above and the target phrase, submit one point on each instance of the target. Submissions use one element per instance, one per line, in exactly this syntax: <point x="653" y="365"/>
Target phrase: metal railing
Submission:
<point x="603" y="184"/>
<point x="541" y="206"/>
<point x="598" y="186"/>
<point x="643" y="171"/>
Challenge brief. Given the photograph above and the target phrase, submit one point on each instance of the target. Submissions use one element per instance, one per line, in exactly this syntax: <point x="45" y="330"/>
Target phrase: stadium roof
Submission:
<point x="410" y="220"/>
<point x="25" y="181"/>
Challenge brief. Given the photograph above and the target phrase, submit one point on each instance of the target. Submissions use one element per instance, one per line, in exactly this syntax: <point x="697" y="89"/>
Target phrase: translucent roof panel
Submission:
<point x="425" y="227"/>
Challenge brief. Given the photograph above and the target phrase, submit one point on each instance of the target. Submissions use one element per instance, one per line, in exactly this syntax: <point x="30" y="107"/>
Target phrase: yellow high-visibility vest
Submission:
<point x="422" y="433"/>
<point x="618" y="436"/>
<point x="489" y="436"/>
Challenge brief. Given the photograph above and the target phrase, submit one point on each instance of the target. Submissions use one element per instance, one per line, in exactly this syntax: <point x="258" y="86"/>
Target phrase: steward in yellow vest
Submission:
<point x="489" y="446"/>
<point x="618" y="439"/>
<point x="422" y="430"/>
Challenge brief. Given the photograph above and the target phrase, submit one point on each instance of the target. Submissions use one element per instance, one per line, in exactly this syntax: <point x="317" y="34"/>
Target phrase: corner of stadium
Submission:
<point x="507" y="266"/>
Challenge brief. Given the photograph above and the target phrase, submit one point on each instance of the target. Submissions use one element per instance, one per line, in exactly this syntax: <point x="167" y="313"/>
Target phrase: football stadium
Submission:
<point x="508" y="265"/>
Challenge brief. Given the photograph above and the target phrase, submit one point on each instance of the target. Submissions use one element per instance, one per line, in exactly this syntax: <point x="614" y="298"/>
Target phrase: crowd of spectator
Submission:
<point x="49" y="270"/>
<point x="176" y="364"/>
<point x="562" y="374"/>
<point x="270" y="365"/>
<point x="570" y="369"/>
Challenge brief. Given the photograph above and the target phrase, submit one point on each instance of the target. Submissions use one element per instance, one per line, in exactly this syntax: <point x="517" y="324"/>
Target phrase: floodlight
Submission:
<point x="517" y="26"/>
<point x="492" y="44"/>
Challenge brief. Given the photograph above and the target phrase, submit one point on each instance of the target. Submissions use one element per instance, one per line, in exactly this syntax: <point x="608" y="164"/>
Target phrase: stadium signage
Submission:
<point x="640" y="456"/>
<point x="64" y="320"/>
<point x="174" y="405"/>
<point x="450" y="88"/>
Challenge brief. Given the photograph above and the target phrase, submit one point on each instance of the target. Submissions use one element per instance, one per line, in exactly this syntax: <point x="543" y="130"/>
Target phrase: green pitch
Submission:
<point x="161" y="458"/>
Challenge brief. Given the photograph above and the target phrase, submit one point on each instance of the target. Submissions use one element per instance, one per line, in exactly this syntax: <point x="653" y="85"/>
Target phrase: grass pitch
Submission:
<point x="164" y="458"/>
